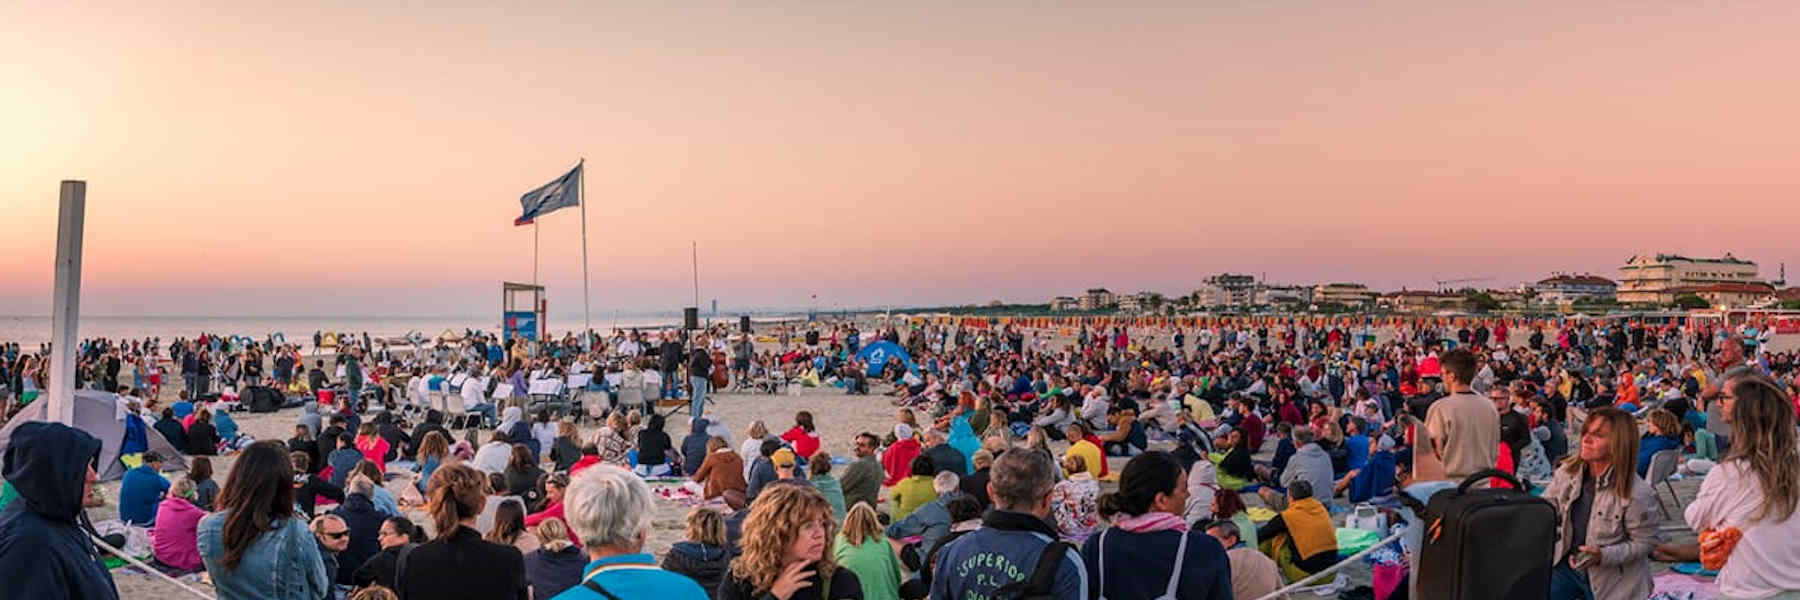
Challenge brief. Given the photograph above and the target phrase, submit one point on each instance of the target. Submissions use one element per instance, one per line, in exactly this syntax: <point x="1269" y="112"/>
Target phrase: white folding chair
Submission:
<point x="457" y="414"/>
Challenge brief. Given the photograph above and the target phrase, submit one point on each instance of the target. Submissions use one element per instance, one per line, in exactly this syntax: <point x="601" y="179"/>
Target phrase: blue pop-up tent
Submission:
<point x="876" y="356"/>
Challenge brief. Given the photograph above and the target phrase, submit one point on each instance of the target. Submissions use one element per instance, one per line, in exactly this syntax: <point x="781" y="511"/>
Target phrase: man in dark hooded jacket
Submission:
<point x="44" y="548"/>
<point x="434" y="421"/>
<point x="693" y="447"/>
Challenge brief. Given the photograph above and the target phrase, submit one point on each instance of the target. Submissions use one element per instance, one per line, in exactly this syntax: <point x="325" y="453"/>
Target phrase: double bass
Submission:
<point x="721" y="370"/>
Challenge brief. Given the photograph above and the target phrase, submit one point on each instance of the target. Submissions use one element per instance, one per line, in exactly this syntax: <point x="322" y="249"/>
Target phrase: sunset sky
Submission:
<point x="366" y="158"/>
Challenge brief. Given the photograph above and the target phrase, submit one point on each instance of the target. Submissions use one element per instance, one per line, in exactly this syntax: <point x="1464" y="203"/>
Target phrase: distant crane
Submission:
<point x="1444" y="284"/>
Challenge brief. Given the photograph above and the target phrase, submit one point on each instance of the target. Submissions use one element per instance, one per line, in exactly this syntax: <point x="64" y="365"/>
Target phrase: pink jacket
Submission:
<point x="173" y="538"/>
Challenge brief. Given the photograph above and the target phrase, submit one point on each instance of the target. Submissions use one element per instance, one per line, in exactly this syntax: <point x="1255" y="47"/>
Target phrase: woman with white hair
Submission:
<point x="611" y="510"/>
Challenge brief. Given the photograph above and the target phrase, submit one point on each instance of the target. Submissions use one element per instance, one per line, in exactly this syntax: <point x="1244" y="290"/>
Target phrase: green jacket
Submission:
<point x="874" y="564"/>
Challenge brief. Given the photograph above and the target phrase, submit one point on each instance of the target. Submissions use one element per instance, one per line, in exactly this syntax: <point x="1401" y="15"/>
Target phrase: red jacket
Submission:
<point x="897" y="461"/>
<point x="587" y="460"/>
<point x="805" y="444"/>
<point x="1095" y="440"/>
<point x="375" y="449"/>
<point x="1253" y="432"/>
<point x="555" y="509"/>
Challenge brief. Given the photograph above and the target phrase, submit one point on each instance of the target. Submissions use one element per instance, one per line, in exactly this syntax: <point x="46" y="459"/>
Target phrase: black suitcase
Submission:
<point x="1486" y="544"/>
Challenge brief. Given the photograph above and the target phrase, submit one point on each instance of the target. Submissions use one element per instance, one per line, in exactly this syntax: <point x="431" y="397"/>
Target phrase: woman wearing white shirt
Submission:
<point x="1755" y="489"/>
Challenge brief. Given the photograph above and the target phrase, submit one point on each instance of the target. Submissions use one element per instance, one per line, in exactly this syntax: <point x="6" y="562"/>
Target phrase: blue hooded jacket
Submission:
<point x="693" y="447"/>
<point x="44" y="548"/>
<point x="1375" y="480"/>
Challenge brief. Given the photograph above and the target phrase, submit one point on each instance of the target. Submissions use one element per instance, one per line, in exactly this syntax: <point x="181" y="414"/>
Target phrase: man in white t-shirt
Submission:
<point x="1465" y="430"/>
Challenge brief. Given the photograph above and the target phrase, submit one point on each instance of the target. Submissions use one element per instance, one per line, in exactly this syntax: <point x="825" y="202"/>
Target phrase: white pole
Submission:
<point x="534" y="252"/>
<point x="66" y="312"/>
<point x="587" y="325"/>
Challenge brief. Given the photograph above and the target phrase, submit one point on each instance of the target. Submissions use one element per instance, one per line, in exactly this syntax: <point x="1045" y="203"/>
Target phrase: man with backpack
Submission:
<point x="1015" y="553"/>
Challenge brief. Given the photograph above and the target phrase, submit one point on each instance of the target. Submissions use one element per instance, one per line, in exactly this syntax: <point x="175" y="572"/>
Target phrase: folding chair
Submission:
<point x="1662" y="465"/>
<point x="471" y="394"/>
<point x="457" y="416"/>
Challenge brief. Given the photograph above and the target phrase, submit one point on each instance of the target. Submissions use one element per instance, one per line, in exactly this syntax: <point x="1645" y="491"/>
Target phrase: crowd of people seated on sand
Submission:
<point x="1234" y="448"/>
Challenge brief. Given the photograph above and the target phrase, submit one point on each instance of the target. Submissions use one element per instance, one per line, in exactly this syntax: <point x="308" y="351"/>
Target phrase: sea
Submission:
<point x="30" y="331"/>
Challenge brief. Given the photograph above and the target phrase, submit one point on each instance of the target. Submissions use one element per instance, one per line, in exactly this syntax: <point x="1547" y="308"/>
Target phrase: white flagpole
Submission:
<point x="534" y="251"/>
<point x="587" y="325"/>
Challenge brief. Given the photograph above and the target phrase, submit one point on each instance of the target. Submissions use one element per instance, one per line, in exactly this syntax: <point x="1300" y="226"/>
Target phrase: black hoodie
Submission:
<point x="434" y="421"/>
<point x="44" y="546"/>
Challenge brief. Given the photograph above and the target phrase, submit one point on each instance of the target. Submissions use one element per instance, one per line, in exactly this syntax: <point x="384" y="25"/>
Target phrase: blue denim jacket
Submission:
<point x="283" y="564"/>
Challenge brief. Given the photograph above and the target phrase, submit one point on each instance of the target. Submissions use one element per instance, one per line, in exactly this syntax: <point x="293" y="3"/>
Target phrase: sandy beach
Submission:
<point x="839" y="419"/>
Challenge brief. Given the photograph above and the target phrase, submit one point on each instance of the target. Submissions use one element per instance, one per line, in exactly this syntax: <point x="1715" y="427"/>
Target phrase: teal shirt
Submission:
<point x="633" y="576"/>
<point x="834" y="494"/>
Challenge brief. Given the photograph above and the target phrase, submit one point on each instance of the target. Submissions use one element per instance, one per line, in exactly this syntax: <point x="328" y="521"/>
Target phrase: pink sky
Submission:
<point x="296" y="158"/>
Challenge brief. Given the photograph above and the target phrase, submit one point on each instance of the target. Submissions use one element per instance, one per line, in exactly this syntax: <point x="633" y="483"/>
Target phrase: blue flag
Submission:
<point x="562" y="193"/>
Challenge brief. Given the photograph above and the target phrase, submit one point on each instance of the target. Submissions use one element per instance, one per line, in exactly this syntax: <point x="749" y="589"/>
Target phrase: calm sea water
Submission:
<point x="30" y="331"/>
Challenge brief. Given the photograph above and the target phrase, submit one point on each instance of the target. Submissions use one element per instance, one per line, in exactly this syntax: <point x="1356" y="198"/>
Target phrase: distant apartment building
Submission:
<point x="1729" y="295"/>
<point x="1566" y="289"/>
<point x="1658" y="279"/>
<point x="1064" y="303"/>
<point x="1097" y="298"/>
<point x="1226" y="289"/>
<point x="1345" y="294"/>
<point x="1284" y="295"/>
<point x="1141" y="302"/>
<point x="1422" y="301"/>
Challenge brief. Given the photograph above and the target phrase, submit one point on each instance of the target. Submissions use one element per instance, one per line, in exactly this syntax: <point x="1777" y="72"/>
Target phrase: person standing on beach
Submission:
<point x="1465" y="430"/>
<point x="668" y="356"/>
<point x="353" y="377"/>
<point x="699" y="376"/>
<point x="190" y="371"/>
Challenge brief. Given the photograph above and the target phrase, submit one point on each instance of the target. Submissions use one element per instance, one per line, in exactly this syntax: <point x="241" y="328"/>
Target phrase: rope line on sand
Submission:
<point x="1333" y="568"/>
<point x="147" y="568"/>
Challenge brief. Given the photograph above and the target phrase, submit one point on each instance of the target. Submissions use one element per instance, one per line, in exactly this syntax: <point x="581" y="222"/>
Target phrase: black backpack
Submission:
<point x="1485" y="544"/>
<point x="1041" y="584"/>
<point x="263" y="399"/>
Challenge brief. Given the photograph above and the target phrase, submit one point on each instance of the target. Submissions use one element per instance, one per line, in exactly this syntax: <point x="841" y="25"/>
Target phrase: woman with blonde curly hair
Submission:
<point x="785" y="543"/>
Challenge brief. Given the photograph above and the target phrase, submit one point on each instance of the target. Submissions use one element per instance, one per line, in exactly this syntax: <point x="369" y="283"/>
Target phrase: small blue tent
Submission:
<point x="876" y="356"/>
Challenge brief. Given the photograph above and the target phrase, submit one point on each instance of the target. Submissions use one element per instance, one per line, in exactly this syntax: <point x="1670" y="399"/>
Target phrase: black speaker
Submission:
<point x="690" y="317"/>
<point x="744" y="324"/>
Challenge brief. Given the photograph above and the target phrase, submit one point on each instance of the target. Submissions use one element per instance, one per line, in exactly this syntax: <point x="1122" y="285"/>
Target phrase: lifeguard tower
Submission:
<point x="522" y="309"/>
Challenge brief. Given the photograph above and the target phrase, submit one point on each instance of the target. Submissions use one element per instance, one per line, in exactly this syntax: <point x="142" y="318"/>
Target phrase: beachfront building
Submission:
<point x="1729" y="295"/>
<point x="1410" y="301"/>
<point x="1343" y="294"/>
<point x="1096" y="299"/>
<point x="1658" y="279"/>
<point x="1141" y="303"/>
<point x="1564" y="288"/>
<point x="1064" y="303"/>
<point x="1226" y="290"/>
<point x="1284" y="295"/>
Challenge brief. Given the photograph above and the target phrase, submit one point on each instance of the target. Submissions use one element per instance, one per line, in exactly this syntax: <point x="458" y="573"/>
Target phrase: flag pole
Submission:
<point x="534" y="251"/>
<point x="587" y="326"/>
